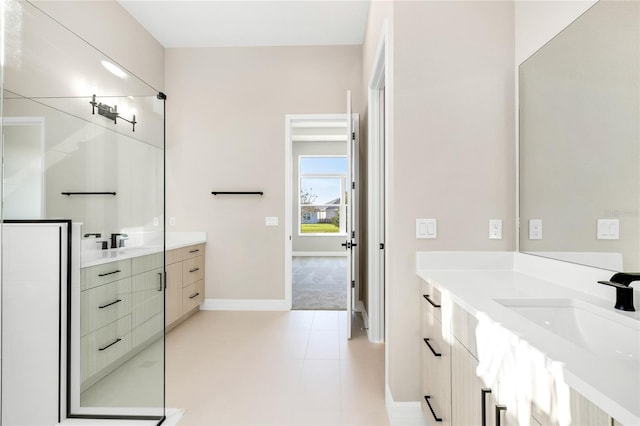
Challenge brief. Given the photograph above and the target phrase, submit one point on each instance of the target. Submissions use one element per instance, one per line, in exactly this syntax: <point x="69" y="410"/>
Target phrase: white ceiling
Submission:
<point x="217" y="23"/>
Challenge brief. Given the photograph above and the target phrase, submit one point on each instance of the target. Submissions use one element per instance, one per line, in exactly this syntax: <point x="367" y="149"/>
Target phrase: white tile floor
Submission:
<point x="274" y="368"/>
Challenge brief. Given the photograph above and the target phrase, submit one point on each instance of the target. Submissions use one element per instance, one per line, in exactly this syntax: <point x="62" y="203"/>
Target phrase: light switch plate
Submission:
<point x="271" y="221"/>
<point x="535" y="229"/>
<point x="608" y="229"/>
<point x="426" y="228"/>
<point x="495" y="229"/>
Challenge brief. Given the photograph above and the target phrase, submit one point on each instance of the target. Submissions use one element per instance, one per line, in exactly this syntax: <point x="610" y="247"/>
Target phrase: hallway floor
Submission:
<point x="274" y="368"/>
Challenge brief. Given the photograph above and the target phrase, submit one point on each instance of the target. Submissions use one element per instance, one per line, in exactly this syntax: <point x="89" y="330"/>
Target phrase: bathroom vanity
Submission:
<point x="122" y="295"/>
<point x="504" y="343"/>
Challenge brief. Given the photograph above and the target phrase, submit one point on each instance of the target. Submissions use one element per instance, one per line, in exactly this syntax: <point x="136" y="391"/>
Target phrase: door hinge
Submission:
<point x="353" y="136"/>
<point x="353" y="185"/>
<point x="381" y="246"/>
<point x="353" y="283"/>
<point x="353" y="234"/>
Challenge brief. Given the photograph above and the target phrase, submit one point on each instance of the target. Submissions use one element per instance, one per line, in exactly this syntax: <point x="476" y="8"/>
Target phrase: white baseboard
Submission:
<point x="363" y="310"/>
<point x="245" y="305"/>
<point x="403" y="413"/>
<point x="319" y="253"/>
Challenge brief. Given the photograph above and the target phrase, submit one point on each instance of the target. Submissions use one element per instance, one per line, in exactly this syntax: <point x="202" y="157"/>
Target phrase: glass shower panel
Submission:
<point x="84" y="145"/>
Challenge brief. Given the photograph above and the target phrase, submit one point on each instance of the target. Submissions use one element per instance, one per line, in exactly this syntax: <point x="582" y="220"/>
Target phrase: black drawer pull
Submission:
<point x="194" y="270"/>
<point x="484" y="392"/>
<point x="194" y="251"/>
<point x="110" y="344"/>
<point x="193" y="296"/>
<point x="499" y="408"/>
<point x="160" y="281"/>
<point x="434" y="304"/>
<point x="431" y="347"/>
<point x="109" y="304"/>
<point x="426" y="398"/>
<point x="109" y="273"/>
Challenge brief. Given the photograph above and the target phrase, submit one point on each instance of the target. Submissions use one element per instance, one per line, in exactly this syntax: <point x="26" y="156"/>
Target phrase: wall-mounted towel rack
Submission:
<point x="237" y="193"/>
<point x="88" y="193"/>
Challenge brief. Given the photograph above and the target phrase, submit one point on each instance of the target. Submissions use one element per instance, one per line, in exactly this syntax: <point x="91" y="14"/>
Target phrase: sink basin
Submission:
<point x="598" y="330"/>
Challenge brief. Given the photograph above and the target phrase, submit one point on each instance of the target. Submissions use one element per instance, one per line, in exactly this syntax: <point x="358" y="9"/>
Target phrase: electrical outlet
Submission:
<point x="495" y="229"/>
<point x="172" y="221"/>
<point x="271" y="221"/>
<point x="156" y="222"/>
<point x="535" y="229"/>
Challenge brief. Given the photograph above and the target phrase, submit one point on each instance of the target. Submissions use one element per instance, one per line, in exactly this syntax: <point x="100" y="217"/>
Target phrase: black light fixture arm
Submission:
<point x="111" y="112"/>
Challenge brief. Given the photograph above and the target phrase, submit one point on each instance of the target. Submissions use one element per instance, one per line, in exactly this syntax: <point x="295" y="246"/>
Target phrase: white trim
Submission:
<point x="379" y="79"/>
<point x="319" y="138"/>
<point x="320" y="253"/>
<point x="403" y="413"/>
<point x="245" y="305"/>
<point x="363" y="310"/>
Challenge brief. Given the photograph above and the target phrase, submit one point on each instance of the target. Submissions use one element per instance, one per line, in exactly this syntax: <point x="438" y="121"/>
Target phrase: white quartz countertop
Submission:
<point x="173" y="241"/>
<point x="612" y="384"/>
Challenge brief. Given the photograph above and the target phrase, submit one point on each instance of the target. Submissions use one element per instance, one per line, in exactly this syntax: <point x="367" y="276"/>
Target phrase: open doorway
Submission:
<point x="320" y="186"/>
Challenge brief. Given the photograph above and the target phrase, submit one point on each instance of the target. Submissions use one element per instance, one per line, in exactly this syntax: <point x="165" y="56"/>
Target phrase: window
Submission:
<point x="322" y="201"/>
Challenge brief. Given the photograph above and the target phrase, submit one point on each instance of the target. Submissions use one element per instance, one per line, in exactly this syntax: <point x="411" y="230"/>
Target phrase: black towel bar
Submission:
<point x="237" y="193"/>
<point x="88" y="193"/>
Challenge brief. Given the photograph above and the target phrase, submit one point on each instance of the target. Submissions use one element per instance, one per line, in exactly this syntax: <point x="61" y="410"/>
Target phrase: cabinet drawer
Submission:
<point x="105" y="273"/>
<point x="192" y="270"/>
<point x="147" y="296"/>
<point x="192" y="251"/>
<point x="192" y="296"/>
<point x="146" y="263"/>
<point x="173" y="256"/>
<point x="104" y="346"/>
<point x="431" y="300"/>
<point x="104" y="304"/>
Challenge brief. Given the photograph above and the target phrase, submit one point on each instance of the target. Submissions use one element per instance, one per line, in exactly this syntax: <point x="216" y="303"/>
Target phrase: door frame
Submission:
<point x="288" y="197"/>
<point x="378" y="183"/>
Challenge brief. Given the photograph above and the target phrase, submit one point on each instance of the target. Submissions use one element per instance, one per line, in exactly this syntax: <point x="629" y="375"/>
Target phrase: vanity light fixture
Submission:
<point x="111" y="112"/>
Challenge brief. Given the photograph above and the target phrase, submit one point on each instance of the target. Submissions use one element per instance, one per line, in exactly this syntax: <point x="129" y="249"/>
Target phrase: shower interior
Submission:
<point x="82" y="194"/>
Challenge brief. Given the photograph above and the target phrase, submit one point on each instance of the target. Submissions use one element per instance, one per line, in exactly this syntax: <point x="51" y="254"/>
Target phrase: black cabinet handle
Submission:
<point x="431" y="347"/>
<point x="110" y="344"/>
<point x="109" y="273"/>
<point x="109" y="304"/>
<point x="499" y="409"/>
<point x="193" y="296"/>
<point x="194" y="270"/>
<point x="160" y="281"/>
<point x="194" y="251"/>
<point x="484" y="393"/>
<point x="434" y="304"/>
<point x="437" y="419"/>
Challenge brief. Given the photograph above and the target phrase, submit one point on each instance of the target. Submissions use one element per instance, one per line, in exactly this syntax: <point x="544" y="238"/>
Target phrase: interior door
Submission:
<point x="351" y="243"/>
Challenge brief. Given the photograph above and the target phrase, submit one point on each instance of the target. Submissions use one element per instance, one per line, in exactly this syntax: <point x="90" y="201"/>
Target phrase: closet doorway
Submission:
<point x="321" y="209"/>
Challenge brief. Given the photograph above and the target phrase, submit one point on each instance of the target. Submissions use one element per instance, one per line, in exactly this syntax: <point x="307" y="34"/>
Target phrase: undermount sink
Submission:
<point x="598" y="330"/>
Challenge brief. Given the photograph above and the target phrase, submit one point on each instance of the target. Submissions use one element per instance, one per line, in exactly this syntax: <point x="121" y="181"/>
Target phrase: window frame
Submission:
<point x="343" y="202"/>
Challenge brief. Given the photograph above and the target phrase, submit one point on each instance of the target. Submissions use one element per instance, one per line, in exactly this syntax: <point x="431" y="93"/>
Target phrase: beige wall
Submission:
<point x="453" y="151"/>
<point x="226" y="131"/>
<point x="110" y="28"/>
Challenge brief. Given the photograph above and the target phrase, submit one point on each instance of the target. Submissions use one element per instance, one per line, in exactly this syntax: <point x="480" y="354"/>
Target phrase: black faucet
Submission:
<point x="114" y="240"/>
<point x="624" y="293"/>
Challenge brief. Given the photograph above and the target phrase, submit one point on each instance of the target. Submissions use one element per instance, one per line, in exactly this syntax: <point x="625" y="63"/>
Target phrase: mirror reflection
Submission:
<point x="64" y="158"/>
<point x="580" y="141"/>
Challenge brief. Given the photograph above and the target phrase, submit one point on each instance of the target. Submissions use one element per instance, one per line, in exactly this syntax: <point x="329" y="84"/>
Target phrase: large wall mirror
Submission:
<point x="580" y="141"/>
